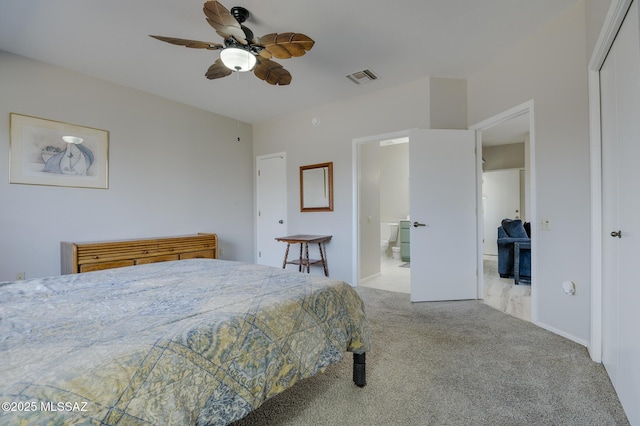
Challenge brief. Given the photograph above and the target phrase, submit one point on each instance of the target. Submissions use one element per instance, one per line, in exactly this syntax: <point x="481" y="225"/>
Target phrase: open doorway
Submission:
<point x="506" y="144"/>
<point x="366" y="219"/>
<point x="383" y="198"/>
<point x="443" y="237"/>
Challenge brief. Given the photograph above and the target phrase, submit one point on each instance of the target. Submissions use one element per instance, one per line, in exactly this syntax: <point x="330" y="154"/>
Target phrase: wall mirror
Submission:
<point x="316" y="188"/>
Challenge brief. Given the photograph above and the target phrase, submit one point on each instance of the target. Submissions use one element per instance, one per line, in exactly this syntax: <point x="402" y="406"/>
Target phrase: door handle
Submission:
<point x="616" y="234"/>
<point x="281" y="221"/>
<point x="416" y="224"/>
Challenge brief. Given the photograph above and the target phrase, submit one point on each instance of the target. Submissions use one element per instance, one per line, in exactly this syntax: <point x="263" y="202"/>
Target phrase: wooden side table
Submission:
<point x="303" y="260"/>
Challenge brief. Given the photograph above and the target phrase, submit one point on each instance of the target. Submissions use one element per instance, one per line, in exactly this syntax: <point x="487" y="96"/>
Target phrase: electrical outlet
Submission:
<point x="20" y="276"/>
<point x="545" y="225"/>
<point x="220" y="251"/>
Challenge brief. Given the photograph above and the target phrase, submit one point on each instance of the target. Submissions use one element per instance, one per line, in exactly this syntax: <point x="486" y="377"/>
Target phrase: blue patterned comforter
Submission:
<point x="177" y="343"/>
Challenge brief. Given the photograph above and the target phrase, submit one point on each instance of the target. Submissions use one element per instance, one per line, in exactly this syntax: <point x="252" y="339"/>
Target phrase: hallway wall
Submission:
<point x="550" y="68"/>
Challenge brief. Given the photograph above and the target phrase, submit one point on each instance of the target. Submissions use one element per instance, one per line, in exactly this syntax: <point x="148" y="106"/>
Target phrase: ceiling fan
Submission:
<point x="242" y="51"/>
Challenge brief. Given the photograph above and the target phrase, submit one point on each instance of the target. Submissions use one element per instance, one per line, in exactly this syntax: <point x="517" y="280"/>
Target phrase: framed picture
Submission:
<point x="46" y="152"/>
<point x="316" y="187"/>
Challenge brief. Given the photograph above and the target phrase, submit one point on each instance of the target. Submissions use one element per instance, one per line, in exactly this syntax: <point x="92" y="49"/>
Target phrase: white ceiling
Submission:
<point x="510" y="131"/>
<point x="399" y="41"/>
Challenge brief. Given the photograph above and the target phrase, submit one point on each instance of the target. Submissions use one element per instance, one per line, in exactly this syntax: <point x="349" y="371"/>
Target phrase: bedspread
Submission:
<point x="189" y="342"/>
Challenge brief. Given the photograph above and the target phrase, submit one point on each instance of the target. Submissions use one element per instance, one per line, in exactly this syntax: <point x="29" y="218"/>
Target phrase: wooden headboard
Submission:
<point x="94" y="256"/>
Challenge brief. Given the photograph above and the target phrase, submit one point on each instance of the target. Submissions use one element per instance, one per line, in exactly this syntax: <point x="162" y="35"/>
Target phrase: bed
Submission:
<point x="198" y="341"/>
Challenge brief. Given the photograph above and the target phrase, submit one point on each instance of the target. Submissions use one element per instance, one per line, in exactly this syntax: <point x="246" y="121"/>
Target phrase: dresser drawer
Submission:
<point x="155" y="259"/>
<point x="202" y="254"/>
<point x="88" y="267"/>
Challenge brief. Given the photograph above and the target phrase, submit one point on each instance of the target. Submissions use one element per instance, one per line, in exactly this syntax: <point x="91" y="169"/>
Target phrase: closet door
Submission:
<point x="620" y="106"/>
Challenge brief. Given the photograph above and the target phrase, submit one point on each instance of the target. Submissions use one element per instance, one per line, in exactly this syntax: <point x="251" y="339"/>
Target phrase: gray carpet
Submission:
<point x="452" y="363"/>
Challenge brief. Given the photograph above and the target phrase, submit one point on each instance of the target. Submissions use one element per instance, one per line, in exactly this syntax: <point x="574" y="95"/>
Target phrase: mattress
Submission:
<point x="198" y="341"/>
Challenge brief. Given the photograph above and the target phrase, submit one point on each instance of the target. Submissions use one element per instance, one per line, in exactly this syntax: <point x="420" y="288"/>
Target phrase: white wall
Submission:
<point x="394" y="182"/>
<point x="448" y="103"/>
<point x="510" y="156"/>
<point x="403" y="107"/>
<point x="173" y="170"/>
<point x="596" y="12"/>
<point x="370" y="196"/>
<point x="550" y="67"/>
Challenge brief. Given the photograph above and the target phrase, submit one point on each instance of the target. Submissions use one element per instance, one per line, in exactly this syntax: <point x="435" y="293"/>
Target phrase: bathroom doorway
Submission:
<point x="506" y="143"/>
<point x="384" y="202"/>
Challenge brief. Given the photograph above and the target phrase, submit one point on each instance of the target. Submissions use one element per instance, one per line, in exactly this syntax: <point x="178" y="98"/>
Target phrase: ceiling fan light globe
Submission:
<point x="237" y="59"/>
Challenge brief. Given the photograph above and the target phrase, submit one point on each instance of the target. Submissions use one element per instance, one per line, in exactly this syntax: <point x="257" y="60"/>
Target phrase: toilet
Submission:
<point x="396" y="252"/>
<point x="388" y="238"/>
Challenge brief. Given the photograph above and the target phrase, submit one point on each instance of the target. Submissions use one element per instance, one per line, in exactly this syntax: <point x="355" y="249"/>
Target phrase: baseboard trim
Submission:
<point x="370" y="277"/>
<point x="562" y="333"/>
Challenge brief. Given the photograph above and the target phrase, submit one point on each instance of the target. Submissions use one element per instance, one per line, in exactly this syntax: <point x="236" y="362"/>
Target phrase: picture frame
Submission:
<point x="316" y="187"/>
<point x="54" y="153"/>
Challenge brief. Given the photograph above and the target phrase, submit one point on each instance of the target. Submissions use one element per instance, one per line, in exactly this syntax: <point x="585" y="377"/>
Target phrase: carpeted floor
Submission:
<point x="452" y="363"/>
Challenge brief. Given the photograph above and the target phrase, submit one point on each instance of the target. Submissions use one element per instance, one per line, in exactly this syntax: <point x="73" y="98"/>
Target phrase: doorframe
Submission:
<point x="355" y="158"/>
<point x="355" y="237"/>
<point x="612" y="23"/>
<point x="518" y="110"/>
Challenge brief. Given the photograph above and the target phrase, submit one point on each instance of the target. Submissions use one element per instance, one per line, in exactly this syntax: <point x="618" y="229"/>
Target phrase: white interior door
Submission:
<point x="610" y="197"/>
<point x="620" y="109"/>
<point x="501" y="199"/>
<point x="271" y="198"/>
<point x="443" y="211"/>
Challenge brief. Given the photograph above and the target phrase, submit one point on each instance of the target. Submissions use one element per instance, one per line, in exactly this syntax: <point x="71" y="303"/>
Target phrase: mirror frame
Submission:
<point x="328" y="208"/>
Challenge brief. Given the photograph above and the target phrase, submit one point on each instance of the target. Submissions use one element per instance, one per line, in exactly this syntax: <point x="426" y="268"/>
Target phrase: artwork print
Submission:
<point x="46" y="152"/>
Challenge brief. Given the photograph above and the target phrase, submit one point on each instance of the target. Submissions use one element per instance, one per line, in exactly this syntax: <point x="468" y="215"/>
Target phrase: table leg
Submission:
<point x="300" y="259"/>
<point x="324" y="263"/>
<point x="286" y="254"/>
<point x="306" y="255"/>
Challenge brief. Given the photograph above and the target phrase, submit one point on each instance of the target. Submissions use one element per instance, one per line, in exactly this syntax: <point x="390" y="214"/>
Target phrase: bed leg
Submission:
<point x="359" y="367"/>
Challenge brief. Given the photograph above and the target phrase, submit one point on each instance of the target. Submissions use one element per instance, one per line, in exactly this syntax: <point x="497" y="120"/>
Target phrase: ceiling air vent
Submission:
<point x="362" y="77"/>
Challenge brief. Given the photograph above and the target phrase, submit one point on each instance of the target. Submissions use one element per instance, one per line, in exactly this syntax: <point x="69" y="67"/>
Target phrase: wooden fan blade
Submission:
<point x="271" y="72"/>
<point x="194" y="44"/>
<point x="223" y="21"/>
<point x="265" y="54"/>
<point x="286" y="45"/>
<point x="217" y="70"/>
